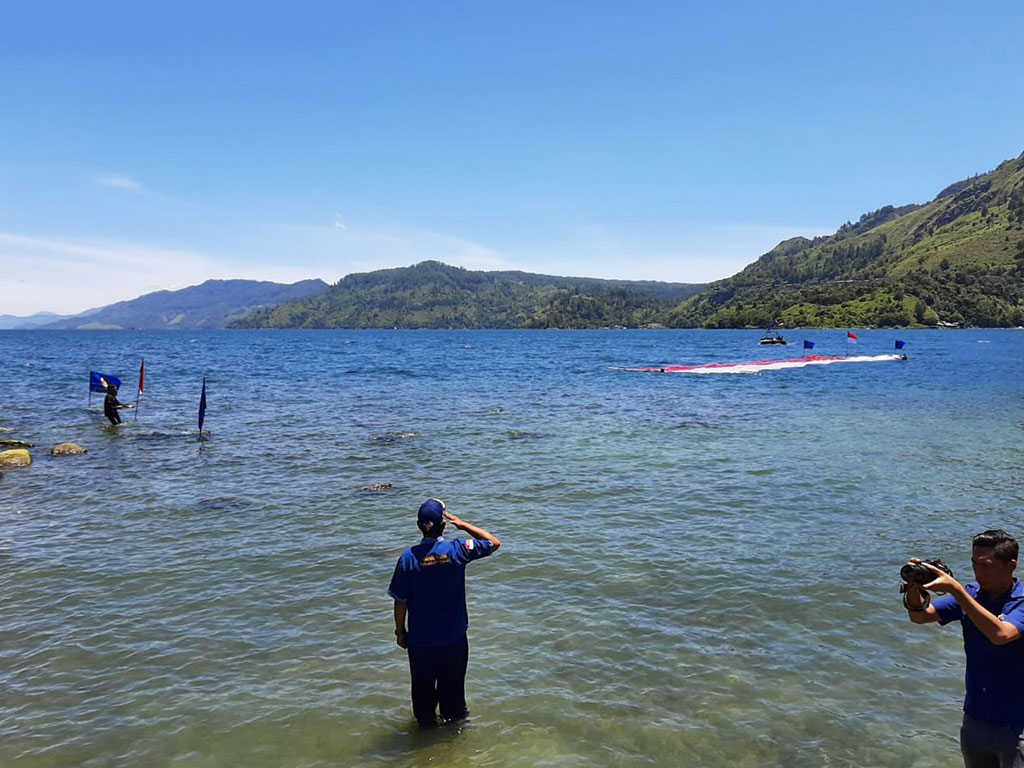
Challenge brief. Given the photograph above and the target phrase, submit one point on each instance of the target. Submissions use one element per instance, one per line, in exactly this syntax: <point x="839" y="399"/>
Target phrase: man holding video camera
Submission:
<point x="991" y="614"/>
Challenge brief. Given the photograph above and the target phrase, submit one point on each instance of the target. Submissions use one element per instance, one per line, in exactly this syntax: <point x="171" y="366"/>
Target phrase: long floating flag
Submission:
<point x="757" y="366"/>
<point x="851" y="337"/>
<point x="808" y="344"/>
<point x="202" y="406"/>
<point x="142" y="386"/>
<point x="98" y="381"/>
<point x="900" y="344"/>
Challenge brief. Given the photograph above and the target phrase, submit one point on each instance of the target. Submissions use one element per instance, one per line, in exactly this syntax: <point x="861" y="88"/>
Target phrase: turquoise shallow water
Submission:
<point x="695" y="570"/>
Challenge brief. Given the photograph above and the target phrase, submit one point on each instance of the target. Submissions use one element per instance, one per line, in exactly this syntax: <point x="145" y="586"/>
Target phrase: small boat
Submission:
<point x="769" y="338"/>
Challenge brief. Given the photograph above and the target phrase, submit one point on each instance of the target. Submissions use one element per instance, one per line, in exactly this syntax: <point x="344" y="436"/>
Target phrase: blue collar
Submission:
<point x="1015" y="590"/>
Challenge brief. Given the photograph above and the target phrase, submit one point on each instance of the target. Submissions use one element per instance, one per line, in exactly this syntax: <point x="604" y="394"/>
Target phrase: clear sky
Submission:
<point x="147" y="146"/>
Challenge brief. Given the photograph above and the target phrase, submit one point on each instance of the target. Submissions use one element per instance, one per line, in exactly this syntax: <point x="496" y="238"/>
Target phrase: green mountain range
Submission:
<point x="435" y="295"/>
<point x="958" y="260"/>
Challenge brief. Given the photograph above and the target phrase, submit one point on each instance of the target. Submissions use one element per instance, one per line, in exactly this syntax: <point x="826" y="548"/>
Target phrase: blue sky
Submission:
<point x="146" y="147"/>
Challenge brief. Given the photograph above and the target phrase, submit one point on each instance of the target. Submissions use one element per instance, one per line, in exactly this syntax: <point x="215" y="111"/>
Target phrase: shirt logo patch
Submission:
<point x="435" y="560"/>
<point x="470" y="544"/>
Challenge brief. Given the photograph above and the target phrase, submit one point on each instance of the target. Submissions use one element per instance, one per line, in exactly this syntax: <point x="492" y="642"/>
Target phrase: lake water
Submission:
<point x="695" y="570"/>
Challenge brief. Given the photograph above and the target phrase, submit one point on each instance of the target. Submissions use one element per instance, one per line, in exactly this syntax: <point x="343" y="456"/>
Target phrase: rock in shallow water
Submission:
<point x="67" y="449"/>
<point x="15" y="444"/>
<point x="17" y="457"/>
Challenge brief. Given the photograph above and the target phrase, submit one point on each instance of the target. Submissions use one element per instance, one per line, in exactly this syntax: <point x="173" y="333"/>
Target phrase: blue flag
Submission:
<point x="202" y="405"/>
<point x="808" y="344"/>
<point x="900" y="344"/>
<point x="96" y="380"/>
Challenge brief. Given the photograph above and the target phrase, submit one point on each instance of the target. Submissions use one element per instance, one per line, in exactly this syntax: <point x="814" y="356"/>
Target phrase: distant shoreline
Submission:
<point x="505" y="328"/>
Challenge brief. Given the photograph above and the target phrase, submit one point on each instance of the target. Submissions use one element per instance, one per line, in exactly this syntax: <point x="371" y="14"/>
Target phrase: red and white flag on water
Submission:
<point x="851" y="337"/>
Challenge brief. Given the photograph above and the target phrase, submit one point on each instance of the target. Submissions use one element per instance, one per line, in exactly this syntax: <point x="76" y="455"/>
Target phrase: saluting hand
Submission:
<point x="454" y="520"/>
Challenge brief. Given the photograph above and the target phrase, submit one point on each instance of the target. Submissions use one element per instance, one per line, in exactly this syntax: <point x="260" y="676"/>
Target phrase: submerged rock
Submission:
<point x="376" y="487"/>
<point x="67" y="449"/>
<point x="224" y="503"/>
<point x="16" y="457"/>
<point x="16" y="444"/>
<point x="522" y="434"/>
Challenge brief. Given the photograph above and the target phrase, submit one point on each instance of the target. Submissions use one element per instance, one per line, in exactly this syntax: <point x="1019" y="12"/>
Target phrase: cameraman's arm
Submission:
<point x="920" y="615"/>
<point x="997" y="631"/>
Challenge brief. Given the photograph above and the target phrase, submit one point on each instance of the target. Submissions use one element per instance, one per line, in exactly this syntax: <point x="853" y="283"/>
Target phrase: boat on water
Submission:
<point x="770" y="338"/>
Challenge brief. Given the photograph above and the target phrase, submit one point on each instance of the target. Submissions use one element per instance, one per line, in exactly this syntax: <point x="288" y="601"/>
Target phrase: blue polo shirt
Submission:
<point x="430" y="578"/>
<point x="995" y="673"/>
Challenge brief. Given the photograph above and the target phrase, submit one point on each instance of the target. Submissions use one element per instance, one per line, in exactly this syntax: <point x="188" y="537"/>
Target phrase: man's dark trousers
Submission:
<point x="439" y="678"/>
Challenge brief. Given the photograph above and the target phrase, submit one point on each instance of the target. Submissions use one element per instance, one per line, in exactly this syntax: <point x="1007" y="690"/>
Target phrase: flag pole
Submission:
<point x="142" y="386"/>
<point x="202" y="408"/>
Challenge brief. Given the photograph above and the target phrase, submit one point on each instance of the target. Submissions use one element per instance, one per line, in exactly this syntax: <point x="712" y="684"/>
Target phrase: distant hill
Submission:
<point x="435" y="295"/>
<point x="15" y="322"/>
<point x="212" y="304"/>
<point x="956" y="260"/>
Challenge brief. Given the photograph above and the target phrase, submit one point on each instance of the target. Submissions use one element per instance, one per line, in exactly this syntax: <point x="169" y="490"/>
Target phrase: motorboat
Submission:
<point x="772" y="338"/>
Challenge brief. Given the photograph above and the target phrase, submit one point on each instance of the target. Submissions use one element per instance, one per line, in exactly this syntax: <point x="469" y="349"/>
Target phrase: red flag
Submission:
<point x="851" y="337"/>
<point x="142" y="376"/>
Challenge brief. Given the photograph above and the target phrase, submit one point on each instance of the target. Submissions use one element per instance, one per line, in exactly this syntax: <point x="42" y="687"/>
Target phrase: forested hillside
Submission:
<point x="435" y="295"/>
<point x="957" y="260"/>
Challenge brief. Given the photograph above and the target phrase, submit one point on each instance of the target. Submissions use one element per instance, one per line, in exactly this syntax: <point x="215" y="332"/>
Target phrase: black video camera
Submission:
<point x="920" y="574"/>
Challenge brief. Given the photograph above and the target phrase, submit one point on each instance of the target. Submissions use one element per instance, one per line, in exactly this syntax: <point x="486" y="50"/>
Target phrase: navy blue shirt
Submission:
<point x="430" y="579"/>
<point x="995" y="673"/>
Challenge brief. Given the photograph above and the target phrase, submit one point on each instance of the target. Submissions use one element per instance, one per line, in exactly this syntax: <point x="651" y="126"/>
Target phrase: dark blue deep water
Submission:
<point x="695" y="571"/>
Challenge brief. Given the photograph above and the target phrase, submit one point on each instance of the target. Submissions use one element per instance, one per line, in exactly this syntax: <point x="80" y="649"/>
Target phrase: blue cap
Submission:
<point x="431" y="511"/>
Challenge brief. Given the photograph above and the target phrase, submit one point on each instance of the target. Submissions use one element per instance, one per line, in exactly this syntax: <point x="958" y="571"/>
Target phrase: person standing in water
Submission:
<point x="111" y="406"/>
<point x="429" y="590"/>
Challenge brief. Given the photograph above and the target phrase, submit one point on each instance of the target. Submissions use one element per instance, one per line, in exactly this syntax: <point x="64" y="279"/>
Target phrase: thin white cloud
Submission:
<point x="119" y="181"/>
<point x="332" y="254"/>
<point x="70" y="275"/>
<point x="697" y="254"/>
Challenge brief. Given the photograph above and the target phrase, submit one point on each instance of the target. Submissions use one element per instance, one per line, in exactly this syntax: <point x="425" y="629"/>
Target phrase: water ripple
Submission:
<point x="694" y="572"/>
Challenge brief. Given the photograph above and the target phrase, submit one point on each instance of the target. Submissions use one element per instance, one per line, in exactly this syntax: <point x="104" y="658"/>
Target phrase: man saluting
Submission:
<point x="429" y="589"/>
